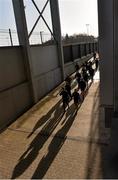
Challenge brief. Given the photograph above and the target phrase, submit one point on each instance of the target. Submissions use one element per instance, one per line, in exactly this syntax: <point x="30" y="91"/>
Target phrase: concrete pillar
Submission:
<point x="106" y="49"/>
<point x="115" y="8"/>
<point x="57" y="32"/>
<point x="105" y="12"/>
<point x="21" y="25"/>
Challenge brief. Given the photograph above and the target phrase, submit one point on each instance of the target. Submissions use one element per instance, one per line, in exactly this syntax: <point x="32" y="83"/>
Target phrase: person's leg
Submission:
<point x="76" y="105"/>
<point x="64" y="105"/>
<point x="78" y="86"/>
<point x="82" y="94"/>
<point x="70" y="94"/>
<point x="68" y="104"/>
<point x="91" y="78"/>
<point x="87" y="84"/>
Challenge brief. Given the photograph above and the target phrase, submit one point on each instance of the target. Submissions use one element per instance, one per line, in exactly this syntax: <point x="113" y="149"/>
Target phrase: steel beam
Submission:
<point x="22" y="31"/>
<point x="38" y="18"/>
<point x="43" y="18"/>
<point x="57" y="32"/>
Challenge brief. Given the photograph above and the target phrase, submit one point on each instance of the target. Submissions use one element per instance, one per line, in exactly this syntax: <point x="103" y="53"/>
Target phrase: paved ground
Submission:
<point x="45" y="143"/>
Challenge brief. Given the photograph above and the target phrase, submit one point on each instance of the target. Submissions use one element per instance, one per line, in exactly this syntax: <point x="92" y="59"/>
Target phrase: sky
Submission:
<point x="74" y="15"/>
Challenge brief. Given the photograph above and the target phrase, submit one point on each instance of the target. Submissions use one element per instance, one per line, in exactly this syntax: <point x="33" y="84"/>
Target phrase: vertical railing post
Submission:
<point x="10" y="35"/>
<point x="41" y="36"/>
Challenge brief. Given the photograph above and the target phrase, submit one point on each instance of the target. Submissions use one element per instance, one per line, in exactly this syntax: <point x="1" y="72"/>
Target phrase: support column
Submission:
<point x="106" y="48"/>
<point x="57" y="32"/>
<point x="21" y="25"/>
<point x="115" y="8"/>
<point x="105" y="14"/>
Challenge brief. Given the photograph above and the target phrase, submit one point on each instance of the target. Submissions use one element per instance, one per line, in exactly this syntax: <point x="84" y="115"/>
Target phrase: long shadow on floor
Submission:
<point x="57" y="110"/>
<point x="49" y="122"/>
<point x="55" y="145"/>
<point x="37" y="143"/>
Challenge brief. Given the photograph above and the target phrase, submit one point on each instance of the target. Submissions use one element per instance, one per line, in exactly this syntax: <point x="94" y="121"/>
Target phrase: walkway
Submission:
<point x="45" y="143"/>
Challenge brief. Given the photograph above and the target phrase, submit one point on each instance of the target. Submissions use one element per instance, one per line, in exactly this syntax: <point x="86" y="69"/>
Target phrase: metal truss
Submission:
<point x="40" y="16"/>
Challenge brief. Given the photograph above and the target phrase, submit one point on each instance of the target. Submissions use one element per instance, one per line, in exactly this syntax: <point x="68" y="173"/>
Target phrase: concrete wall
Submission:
<point x="46" y="69"/>
<point x="44" y="59"/>
<point x="12" y="70"/>
<point x="15" y="90"/>
<point x="67" y="51"/>
<point x="82" y="50"/>
<point x="13" y="85"/>
<point x="69" y="68"/>
<point x="87" y="48"/>
<point x="15" y="95"/>
<point x="75" y="50"/>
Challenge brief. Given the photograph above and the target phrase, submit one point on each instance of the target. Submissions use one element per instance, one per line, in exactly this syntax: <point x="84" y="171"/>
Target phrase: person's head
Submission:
<point x="76" y="90"/>
<point x="81" y="79"/>
<point x="67" y="83"/>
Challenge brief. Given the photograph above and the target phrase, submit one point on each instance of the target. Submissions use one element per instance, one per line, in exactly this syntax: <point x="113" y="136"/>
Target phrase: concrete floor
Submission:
<point x="45" y="143"/>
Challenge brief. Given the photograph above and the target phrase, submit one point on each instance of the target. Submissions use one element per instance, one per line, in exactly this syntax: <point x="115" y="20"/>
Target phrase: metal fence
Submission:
<point x="10" y="37"/>
<point x="40" y="37"/>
